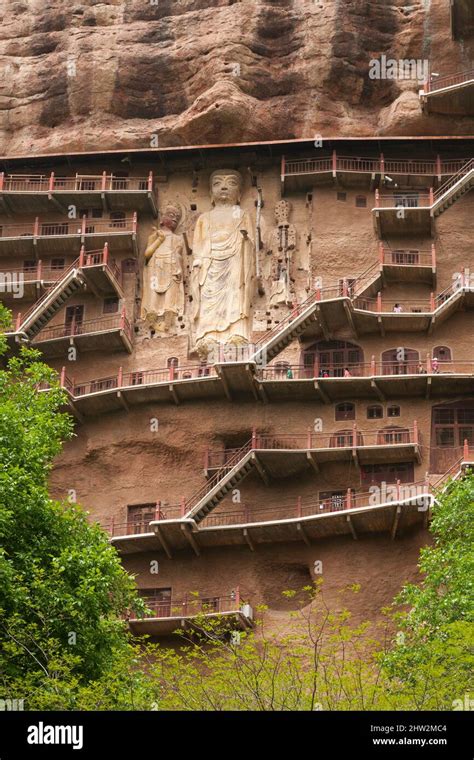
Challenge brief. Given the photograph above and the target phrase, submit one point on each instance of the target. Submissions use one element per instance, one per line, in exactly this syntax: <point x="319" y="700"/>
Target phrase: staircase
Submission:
<point x="51" y="302"/>
<point x="227" y="477"/>
<point x="453" y="189"/>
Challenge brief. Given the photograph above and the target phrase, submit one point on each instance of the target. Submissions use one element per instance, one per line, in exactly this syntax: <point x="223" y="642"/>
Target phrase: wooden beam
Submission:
<point x="189" y="535"/>
<point x="375" y="387"/>
<point x="123" y="401"/>
<point x="381" y="327"/>
<point x="79" y="417"/>
<point x="323" y="324"/>
<point x="224" y="382"/>
<point x="57" y="205"/>
<point x="351" y="526"/>
<point x="312" y="461"/>
<point x="303" y="534"/>
<point x="260" y="469"/>
<point x="248" y="539"/>
<point x="163" y="542"/>
<point x="428" y="387"/>
<point x="263" y="393"/>
<point x="105" y="202"/>
<point x="396" y="519"/>
<point x="350" y="319"/>
<point x="174" y="394"/>
<point x="251" y="377"/>
<point x="324" y="396"/>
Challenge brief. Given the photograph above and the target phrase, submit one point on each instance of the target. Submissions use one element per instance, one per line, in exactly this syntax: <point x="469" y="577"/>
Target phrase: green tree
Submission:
<point x="63" y="590"/>
<point x="432" y="658"/>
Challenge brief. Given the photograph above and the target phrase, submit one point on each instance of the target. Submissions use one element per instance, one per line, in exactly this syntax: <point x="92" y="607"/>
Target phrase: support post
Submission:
<point x="309" y="438"/>
<point x="51" y="182"/>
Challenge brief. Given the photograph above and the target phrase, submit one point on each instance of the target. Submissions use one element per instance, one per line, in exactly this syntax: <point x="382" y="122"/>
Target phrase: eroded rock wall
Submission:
<point x="140" y="73"/>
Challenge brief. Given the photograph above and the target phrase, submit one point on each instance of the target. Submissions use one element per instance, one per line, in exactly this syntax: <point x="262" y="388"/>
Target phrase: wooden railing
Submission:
<point x="83" y="226"/>
<point x="371" y="165"/>
<point x="42" y="183"/>
<point x="102" y="324"/>
<point x="350" y="437"/>
<point x="204" y="604"/>
<point x="366" y="369"/>
<point x="440" y="83"/>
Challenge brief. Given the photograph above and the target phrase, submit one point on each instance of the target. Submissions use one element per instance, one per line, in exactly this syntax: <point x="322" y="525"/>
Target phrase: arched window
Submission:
<point x="392" y="435"/>
<point x="442" y="353"/>
<point x="345" y="411"/>
<point x="329" y="358"/>
<point x="374" y="412"/>
<point x="345" y="439"/>
<point x="400" y="361"/>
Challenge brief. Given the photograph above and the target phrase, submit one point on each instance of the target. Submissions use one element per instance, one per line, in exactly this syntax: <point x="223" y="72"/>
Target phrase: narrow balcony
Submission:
<point x="388" y="506"/>
<point x="374" y="380"/>
<point x="286" y="455"/>
<point x="37" y="238"/>
<point x="27" y="282"/>
<point x="40" y="193"/>
<point x="451" y="95"/>
<point x="170" y="616"/>
<point x="107" y="334"/>
<point x="302" y="174"/>
<point x="164" y="385"/>
<point x="412" y="265"/>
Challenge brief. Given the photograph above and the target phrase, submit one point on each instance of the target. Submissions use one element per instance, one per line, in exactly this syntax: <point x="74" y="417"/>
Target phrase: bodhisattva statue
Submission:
<point x="223" y="267"/>
<point x="163" y="286"/>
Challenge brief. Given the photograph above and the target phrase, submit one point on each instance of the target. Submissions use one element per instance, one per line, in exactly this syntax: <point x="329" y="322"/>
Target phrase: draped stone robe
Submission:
<point x="163" y="276"/>
<point x="223" y="283"/>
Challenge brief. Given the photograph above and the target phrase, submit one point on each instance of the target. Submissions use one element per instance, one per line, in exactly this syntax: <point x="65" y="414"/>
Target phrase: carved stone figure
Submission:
<point x="223" y="266"/>
<point x="163" y="286"/>
<point x="282" y="244"/>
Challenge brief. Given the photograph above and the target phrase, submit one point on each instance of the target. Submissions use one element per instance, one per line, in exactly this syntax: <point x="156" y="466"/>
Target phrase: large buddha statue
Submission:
<point x="223" y="266"/>
<point x="163" y="296"/>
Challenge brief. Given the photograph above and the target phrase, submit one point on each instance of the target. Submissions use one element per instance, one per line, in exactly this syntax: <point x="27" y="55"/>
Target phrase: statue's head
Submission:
<point x="226" y="187"/>
<point x="171" y="216"/>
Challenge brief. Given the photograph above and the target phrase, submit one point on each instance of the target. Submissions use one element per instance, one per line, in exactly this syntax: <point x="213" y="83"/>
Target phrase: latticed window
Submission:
<point x="139" y="517"/>
<point x="345" y="411"/>
<point x="374" y="412"/>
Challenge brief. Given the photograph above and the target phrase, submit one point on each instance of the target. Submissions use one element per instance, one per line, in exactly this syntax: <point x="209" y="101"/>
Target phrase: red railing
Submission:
<point x="446" y="186"/>
<point x="390" y="493"/>
<point x="371" y="165"/>
<point x="407" y="258"/>
<point x="402" y="199"/>
<point x="41" y="183"/>
<point x="192" y="605"/>
<point x="143" y="377"/>
<point x="74" y="227"/>
<point x="365" y="369"/>
<point x="84" y="261"/>
<point x="87" y="327"/>
<point x="383" y="305"/>
<point x="350" y="437"/>
<point x="233" y="460"/>
<point x="440" y="83"/>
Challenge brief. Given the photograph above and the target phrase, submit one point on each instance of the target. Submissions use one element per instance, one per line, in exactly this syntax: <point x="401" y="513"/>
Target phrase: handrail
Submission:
<point x="371" y="165"/>
<point x="469" y="166"/>
<point x="189" y="606"/>
<point x="237" y="457"/>
<point x="101" y="324"/>
<point x="42" y="183"/>
<point x="440" y="83"/>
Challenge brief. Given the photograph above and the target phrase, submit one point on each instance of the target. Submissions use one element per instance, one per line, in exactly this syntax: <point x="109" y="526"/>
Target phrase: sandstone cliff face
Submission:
<point x="92" y="75"/>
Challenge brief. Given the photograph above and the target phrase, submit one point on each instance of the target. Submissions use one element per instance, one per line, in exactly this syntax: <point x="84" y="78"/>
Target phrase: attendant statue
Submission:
<point x="163" y="286"/>
<point x="223" y="267"/>
<point x="282" y="246"/>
